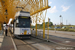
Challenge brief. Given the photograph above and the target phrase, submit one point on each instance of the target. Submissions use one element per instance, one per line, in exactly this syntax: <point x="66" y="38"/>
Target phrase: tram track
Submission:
<point x="33" y="44"/>
<point x="23" y="41"/>
<point x="21" y="44"/>
<point x="30" y="44"/>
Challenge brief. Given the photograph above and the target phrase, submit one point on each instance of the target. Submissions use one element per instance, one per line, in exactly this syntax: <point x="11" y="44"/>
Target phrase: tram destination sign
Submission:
<point x="24" y="17"/>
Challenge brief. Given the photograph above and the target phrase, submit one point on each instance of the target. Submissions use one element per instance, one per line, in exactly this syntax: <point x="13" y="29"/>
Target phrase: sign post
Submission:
<point x="55" y="28"/>
<point x="48" y="29"/>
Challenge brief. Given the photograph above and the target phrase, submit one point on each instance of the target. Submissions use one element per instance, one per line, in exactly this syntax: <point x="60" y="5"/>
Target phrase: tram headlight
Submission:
<point x="28" y="33"/>
<point x="21" y="33"/>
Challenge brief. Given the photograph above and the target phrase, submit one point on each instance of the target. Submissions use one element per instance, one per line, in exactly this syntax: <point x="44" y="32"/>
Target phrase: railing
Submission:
<point x="39" y="34"/>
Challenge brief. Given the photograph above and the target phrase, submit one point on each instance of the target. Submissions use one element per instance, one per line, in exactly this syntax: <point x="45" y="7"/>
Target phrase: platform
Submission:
<point x="6" y="42"/>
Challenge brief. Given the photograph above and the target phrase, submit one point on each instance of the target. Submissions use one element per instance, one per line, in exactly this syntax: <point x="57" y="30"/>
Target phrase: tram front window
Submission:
<point x="23" y="23"/>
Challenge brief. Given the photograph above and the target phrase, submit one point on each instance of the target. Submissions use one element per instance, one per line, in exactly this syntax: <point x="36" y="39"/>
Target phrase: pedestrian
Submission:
<point x="6" y="30"/>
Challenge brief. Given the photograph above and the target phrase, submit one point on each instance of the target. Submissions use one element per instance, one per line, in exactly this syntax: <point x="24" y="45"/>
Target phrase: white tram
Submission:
<point x="22" y="25"/>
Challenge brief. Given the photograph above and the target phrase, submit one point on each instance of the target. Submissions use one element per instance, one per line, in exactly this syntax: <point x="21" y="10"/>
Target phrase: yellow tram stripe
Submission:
<point x="25" y="32"/>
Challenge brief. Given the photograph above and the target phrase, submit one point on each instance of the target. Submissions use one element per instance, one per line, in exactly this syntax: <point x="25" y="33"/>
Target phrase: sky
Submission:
<point x="65" y="8"/>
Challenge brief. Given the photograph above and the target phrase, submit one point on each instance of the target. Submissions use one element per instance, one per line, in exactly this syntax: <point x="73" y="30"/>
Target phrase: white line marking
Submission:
<point x="67" y="41"/>
<point x="13" y="43"/>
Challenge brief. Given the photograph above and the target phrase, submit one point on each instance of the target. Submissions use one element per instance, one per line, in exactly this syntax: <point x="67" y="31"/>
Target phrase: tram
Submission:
<point x="22" y="25"/>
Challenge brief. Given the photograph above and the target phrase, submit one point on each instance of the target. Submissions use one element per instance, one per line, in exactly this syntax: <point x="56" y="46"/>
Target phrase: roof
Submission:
<point x="22" y="13"/>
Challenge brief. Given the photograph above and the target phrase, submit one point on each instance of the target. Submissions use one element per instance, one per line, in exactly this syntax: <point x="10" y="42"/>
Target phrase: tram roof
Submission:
<point x="22" y="13"/>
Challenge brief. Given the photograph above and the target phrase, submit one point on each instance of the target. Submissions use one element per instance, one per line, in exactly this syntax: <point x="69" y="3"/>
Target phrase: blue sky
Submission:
<point x="65" y="8"/>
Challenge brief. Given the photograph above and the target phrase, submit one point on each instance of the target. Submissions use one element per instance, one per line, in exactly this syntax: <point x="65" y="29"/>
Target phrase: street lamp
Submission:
<point x="6" y="13"/>
<point x="60" y="19"/>
<point x="61" y="22"/>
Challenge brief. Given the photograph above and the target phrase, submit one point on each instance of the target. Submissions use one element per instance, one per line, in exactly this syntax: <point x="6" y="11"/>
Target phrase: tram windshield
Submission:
<point x="23" y="23"/>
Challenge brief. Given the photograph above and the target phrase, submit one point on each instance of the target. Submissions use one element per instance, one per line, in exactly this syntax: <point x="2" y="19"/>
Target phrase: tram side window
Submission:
<point x="17" y="23"/>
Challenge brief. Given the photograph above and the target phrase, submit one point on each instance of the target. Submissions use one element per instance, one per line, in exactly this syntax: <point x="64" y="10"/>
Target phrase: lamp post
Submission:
<point x="48" y="29"/>
<point x="61" y="18"/>
<point x="6" y="13"/>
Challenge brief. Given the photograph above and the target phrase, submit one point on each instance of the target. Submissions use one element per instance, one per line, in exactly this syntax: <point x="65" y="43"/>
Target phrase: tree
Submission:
<point x="50" y="24"/>
<point x="46" y="24"/>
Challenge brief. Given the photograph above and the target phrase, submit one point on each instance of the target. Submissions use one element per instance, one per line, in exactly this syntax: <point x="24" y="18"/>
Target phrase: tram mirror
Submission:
<point x="17" y="21"/>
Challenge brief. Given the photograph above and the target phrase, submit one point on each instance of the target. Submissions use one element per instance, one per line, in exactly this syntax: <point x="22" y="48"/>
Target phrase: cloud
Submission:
<point x="65" y="8"/>
<point x="53" y="10"/>
<point x="50" y="3"/>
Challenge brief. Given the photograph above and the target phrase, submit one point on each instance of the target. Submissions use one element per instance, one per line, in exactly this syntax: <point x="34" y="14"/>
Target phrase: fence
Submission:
<point x="39" y="34"/>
